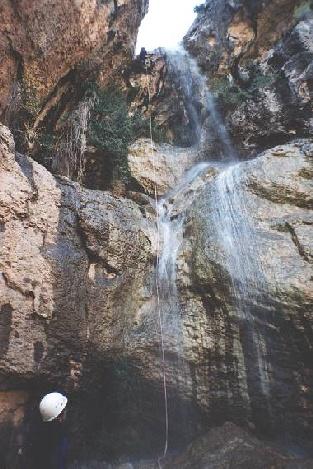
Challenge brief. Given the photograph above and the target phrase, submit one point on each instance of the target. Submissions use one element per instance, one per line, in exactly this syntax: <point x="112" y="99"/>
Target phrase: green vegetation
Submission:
<point x="111" y="129"/>
<point x="100" y="120"/>
<point x="230" y="93"/>
<point x="233" y="95"/>
<point x="30" y="101"/>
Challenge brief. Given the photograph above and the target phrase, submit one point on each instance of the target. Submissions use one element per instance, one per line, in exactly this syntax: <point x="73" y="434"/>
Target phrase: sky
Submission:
<point x="166" y="23"/>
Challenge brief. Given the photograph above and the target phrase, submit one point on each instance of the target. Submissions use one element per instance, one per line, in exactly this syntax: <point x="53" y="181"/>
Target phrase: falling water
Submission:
<point x="237" y="239"/>
<point x="171" y="222"/>
<point x="171" y="227"/>
<point x="229" y="215"/>
<point x="199" y="102"/>
<point x="236" y="234"/>
<point x="170" y="233"/>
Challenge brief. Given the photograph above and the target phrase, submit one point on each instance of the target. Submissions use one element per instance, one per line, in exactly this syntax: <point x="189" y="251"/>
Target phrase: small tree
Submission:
<point x="111" y="128"/>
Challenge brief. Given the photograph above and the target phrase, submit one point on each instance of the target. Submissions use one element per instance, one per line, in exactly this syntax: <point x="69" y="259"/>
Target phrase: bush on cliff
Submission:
<point x="111" y="129"/>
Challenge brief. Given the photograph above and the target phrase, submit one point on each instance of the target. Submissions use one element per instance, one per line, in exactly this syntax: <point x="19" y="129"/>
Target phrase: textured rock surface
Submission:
<point x="153" y="91"/>
<point x="282" y="106"/>
<point x="70" y="262"/>
<point x="79" y="306"/>
<point x="41" y="45"/>
<point x="229" y="446"/>
<point x="228" y="30"/>
<point x="258" y="56"/>
<point x="248" y="296"/>
<point x="224" y="447"/>
<point x="160" y="166"/>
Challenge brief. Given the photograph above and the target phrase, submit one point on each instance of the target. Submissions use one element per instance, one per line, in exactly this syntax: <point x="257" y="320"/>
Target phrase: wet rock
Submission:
<point x="153" y="92"/>
<point x="258" y="59"/>
<point x="222" y="447"/>
<point x="247" y="279"/>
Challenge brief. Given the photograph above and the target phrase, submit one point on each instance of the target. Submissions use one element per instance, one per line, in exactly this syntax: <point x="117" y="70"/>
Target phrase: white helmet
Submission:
<point x="52" y="405"/>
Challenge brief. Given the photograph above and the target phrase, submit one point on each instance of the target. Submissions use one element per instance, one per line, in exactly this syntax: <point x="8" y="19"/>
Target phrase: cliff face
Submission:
<point x="258" y="58"/>
<point x="231" y="32"/>
<point x="80" y="306"/>
<point x="46" y="46"/>
<point x="153" y="92"/>
<point x="71" y="259"/>
<point x="255" y="253"/>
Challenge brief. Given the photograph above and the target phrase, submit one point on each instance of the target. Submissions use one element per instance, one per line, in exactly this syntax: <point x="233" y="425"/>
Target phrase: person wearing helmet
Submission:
<point x="52" y="406"/>
<point x="43" y="442"/>
<point x="50" y="450"/>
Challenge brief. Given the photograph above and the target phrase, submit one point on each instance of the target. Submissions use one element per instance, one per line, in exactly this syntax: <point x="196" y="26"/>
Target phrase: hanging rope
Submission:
<point x="160" y="314"/>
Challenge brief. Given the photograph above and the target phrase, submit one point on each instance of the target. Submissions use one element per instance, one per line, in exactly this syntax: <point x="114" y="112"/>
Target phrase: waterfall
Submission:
<point x="236" y="235"/>
<point x="199" y="103"/>
<point x="171" y="229"/>
<point x="232" y="227"/>
<point x="239" y="254"/>
<point x="170" y="221"/>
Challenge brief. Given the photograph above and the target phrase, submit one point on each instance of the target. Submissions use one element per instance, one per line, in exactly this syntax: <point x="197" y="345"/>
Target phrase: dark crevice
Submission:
<point x="297" y="243"/>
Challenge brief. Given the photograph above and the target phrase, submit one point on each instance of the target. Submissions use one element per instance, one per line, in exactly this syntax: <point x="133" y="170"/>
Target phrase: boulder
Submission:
<point x="159" y="167"/>
<point x="231" y="447"/>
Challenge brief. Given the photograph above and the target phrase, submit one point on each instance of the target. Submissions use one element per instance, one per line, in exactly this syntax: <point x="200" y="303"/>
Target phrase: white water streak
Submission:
<point x="239" y="249"/>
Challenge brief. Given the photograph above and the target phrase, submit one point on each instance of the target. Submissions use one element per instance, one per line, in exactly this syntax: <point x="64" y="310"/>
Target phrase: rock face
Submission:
<point x="79" y="307"/>
<point x="284" y="99"/>
<point x="249" y="285"/>
<point x="244" y="316"/>
<point x="159" y="166"/>
<point x="66" y="255"/>
<point x="203" y="301"/>
<point x="43" y="48"/>
<point x="258" y="57"/>
<point x="231" y="30"/>
<point x="223" y="447"/>
<point x="154" y="92"/>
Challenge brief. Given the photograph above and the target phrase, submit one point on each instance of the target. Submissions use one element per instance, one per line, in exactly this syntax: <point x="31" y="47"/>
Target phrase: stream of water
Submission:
<point x="200" y="104"/>
<point x="232" y="227"/>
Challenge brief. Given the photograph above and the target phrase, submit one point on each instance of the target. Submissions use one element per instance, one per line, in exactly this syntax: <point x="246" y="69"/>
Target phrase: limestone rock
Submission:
<point x="258" y="57"/>
<point x="159" y="166"/>
<point x="286" y="100"/>
<point x="231" y="29"/>
<point x="250" y="261"/>
<point x="153" y="92"/>
<point x="48" y="41"/>
<point x="71" y="263"/>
